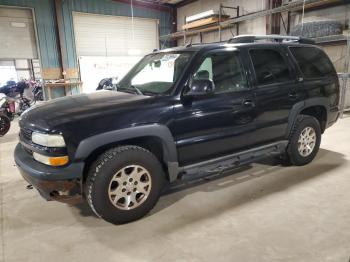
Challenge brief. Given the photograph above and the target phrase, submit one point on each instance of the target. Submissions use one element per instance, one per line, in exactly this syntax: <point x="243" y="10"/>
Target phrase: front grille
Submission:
<point x="26" y="133"/>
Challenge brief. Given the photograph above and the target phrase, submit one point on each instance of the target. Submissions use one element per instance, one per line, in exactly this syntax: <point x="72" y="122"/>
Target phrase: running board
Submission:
<point x="220" y="164"/>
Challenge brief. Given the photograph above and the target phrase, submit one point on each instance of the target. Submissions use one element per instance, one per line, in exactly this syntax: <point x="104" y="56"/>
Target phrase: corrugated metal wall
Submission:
<point x="46" y="25"/>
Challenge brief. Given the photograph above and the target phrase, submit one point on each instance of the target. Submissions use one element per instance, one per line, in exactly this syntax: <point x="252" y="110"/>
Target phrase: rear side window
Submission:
<point x="269" y="66"/>
<point x="312" y="62"/>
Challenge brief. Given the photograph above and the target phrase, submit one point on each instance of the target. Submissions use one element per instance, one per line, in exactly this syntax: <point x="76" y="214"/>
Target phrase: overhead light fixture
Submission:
<point x="202" y="15"/>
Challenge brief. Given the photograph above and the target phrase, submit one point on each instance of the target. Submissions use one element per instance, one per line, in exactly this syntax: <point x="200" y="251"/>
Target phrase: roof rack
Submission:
<point x="274" y="38"/>
<point x="196" y="44"/>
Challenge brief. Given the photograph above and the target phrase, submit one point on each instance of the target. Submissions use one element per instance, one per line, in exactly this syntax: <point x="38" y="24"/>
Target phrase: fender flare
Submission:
<point x="90" y="144"/>
<point x="300" y="106"/>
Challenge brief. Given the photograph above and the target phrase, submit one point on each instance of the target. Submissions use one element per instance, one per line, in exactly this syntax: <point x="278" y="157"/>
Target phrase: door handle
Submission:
<point x="293" y="95"/>
<point x="248" y="103"/>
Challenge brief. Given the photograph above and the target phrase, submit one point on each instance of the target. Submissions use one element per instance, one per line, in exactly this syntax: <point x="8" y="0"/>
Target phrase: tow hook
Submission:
<point x="29" y="187"/>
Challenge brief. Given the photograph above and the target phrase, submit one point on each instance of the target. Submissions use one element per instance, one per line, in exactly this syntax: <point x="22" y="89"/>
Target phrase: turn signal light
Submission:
<point x="58" y="161"/>
<point x="51" y="161"/>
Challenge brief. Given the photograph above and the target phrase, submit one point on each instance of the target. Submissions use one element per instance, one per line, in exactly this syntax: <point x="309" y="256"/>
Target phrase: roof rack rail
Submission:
<point x="275" y="38"/>
<point x="196" y="44"/>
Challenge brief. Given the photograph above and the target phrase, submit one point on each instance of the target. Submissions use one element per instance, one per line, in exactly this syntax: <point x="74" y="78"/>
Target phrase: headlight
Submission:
<point x="51" y="161"/>
<point x="48" y="140"/>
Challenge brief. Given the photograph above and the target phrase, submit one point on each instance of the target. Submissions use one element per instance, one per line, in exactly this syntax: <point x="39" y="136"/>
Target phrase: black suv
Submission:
<point x="180" y="113"/>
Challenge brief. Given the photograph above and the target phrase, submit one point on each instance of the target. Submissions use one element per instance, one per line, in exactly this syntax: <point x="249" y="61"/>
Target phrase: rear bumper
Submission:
<point x="53" y="183"/>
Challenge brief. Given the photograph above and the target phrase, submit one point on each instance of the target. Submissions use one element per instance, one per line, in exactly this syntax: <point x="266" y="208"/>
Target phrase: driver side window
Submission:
<point x="225" y="70"/>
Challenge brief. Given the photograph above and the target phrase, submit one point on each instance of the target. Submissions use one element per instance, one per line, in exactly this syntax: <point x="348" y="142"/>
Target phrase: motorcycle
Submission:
<point x="37" y="91"/>
<point x="107" y="84"/>
<point x="13" y="102"/>
<point x="7" y="113"/>
<point x="10" y="89"/>
<point x="5" y="123"/>
<point x="23" y="104"/>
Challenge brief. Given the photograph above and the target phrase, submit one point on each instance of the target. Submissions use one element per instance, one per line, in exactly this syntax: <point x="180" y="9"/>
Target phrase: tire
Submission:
<point x="304" y="141"/>
<point x="5" y="124"/>
<point x="112" y="180"/>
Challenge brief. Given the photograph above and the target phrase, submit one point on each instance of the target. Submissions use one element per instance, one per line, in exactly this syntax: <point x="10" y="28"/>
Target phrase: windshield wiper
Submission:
<point x="138" y="91"/>
<point x="128" y="89"/>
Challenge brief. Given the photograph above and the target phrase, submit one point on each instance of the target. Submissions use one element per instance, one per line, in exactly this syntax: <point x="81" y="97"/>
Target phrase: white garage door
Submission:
<point x="101" y="35"/>
<point x="17" y="35"/>
<point x="108" y="46"/>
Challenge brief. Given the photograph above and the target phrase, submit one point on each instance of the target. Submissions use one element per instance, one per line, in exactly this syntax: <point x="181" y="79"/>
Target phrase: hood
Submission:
<point x="49" y="115"/>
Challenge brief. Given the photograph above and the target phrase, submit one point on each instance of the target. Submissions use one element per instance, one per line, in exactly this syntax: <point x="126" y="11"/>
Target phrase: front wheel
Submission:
<point x="124" y="184"/>
<point x="5" y="124"/>
<point x="304" y="141"/>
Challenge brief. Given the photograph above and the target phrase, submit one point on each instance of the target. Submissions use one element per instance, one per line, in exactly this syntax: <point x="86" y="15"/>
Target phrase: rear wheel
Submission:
<point x="5" y="124"/>
<point x="304" y="141"/>
<point x="124" y="184"/>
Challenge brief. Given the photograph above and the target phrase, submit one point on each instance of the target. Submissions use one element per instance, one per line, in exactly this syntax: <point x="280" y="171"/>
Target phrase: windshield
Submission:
<point x="155" y="73"/>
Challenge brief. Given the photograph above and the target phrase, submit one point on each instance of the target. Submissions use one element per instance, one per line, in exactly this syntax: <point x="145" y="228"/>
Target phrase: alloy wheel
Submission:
<point x="130" y="187"/>
<point x="306" y="141"/>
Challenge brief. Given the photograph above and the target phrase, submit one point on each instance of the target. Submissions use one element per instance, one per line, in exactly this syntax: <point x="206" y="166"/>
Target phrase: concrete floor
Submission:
<point x="263" y="213"/>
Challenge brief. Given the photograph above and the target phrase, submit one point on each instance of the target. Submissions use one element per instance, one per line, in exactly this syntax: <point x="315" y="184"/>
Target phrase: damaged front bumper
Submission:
<point x="53" y="183"/>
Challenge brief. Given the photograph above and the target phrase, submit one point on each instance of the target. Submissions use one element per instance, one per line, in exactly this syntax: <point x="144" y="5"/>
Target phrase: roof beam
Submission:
<point x="149" y="5"/>
<point x="185" y="2"/>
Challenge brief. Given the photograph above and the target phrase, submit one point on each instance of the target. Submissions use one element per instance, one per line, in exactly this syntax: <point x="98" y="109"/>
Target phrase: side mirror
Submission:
<point x="200" y="87"/>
